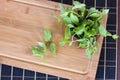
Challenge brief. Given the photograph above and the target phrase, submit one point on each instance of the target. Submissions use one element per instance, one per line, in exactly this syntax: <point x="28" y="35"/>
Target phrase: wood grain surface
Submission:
<point x="22" y="25"/>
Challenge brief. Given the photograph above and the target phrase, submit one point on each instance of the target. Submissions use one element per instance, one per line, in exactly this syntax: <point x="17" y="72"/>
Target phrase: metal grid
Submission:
<point x="107" y="69"/>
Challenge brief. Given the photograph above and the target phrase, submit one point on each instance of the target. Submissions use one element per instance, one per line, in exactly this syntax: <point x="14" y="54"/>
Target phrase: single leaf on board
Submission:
<point x="47" y="35"/>
<point x="89" y="52"/>
<point x="62" y="43"/>
<point x="67" y="33"/>
<point x="53" y="48"/>
<point x="41" y="44"/>
<point x="38" y="52"/>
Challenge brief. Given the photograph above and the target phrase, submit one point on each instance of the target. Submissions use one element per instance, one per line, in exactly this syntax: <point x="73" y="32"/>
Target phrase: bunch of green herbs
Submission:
<point x="83" y="25"/>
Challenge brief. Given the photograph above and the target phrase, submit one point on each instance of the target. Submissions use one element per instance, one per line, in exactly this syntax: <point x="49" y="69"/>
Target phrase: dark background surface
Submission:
<point x="107" y="69"/>
<point x="118" y="57"/>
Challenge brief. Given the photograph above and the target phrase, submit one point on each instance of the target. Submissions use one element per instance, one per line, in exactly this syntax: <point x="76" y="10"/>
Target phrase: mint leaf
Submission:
<point x="38" y="52"/>
<point x="62" y="43"/>
<point x="76" y="3"/>
<point x="68" y="9"/>
<point x="95" y="15"/>
<point x="74" y="18"/>
<point x="89" y="52"/>
<point x="102" y="31"/>
<point x="53" y="48"/>
<point x="92" y="10"/>
<point x="70" y="26"/>
<point x="105" y="11"/>
<point x="67" y="33"/>
<point x="65" y="14"/>
<point x="47" y="35"/>
<point x="80" y="29"/>
<point x="41" y="44"/>
<point x="80" y="7"/>
<point x="67" y="20"/>
<point x="82" y="45"/>
<point x="115" y="36"/>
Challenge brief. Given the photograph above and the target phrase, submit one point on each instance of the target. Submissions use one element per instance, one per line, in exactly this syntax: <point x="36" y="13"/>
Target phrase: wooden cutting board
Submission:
<point x="22" y="25"/>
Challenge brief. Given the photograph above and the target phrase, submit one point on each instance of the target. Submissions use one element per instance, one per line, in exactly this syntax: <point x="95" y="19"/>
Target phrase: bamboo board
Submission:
<point x="22" y="25"/>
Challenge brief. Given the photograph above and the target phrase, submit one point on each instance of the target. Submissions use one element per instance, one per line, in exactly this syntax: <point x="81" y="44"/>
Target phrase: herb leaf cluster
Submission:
<point x="83" y="25"/>
<point x="43" y="47"/>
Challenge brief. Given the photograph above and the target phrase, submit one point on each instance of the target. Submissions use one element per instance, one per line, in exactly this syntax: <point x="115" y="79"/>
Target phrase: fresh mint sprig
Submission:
<point x="84" y="24"/>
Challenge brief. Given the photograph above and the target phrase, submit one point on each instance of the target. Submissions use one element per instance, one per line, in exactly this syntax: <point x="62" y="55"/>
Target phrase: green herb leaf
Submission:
<point x="82" y="45"/>
<point x="105" y="11"/>
<point x="47" y="35"/>
<point x="41" y="44"/>
<point x="67" y="33"/>
<point x="80" y="7"/>
<point x="95" y="15"/>
<point x="65" y="14"/>
<point x="80" y="29"/>
<point x="67" y="20"/>
<point x="115" y="36"/>
<point x="89" y="22"/>
<point x="68" y="9"/>
<point x="82" y="42"/>
<point x="76" y="3"/>
<point x="95" y="45"/>
<point x="74" y="19"/>
<point x="70" y="26"/>
<point x="92" y="10"/>
<point x="89" y="52"/>
<point x="38" y="52"/>
<point x="62" y="43"/>
<point x="53" y="48"/>
<point x="102" y="30"/>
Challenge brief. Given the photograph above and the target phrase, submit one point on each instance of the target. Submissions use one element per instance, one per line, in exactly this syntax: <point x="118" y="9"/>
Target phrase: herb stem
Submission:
<point x="72" y="39"/>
